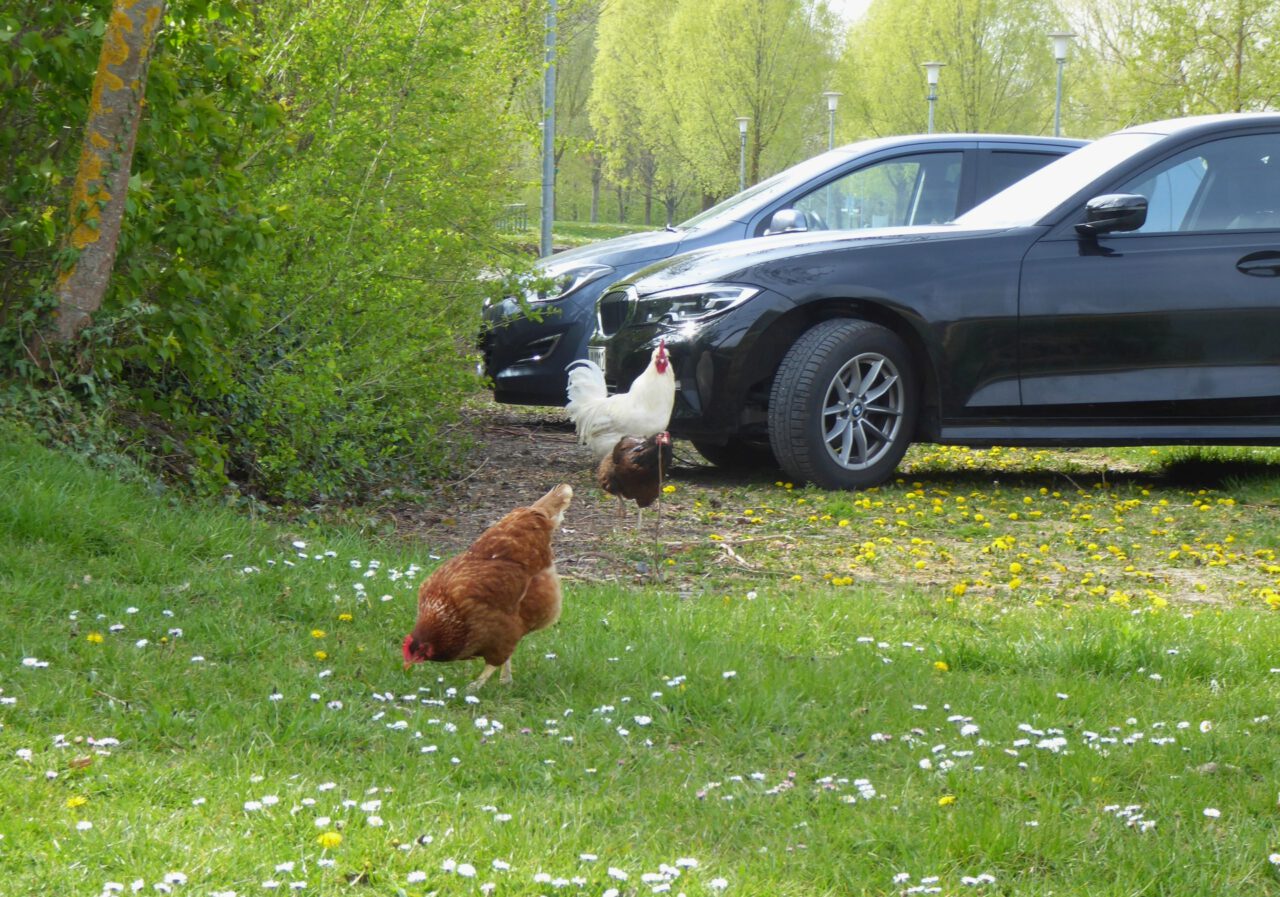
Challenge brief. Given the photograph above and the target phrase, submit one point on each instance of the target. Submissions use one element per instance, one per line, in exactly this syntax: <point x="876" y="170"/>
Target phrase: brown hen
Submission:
<point x="482" y="602"/>
<point x="635" y="468"/>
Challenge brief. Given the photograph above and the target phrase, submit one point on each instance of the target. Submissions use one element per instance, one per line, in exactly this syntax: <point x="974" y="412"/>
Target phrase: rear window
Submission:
<point x="1000" y="168"/>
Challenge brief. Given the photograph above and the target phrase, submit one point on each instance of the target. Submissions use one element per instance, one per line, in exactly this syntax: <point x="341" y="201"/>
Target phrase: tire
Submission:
<point x="743" y="457"/>
<point x="823" y="434"/>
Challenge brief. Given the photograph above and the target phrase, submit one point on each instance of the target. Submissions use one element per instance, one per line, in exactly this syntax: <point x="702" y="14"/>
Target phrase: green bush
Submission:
<point x="295" y="298"/>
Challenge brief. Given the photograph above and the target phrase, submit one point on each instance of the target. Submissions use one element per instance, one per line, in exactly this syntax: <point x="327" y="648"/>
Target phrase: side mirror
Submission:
<point x="787" y="221"/>
<point x="1113" y="212"/>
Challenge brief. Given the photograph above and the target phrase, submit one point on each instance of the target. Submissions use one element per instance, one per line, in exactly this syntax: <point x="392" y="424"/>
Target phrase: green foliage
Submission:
<point x="295" y="295"/>
<point x="1167" y="58"/>
<point x="392" y="182"/>
<point x="665" y="108"/>
<point x="999" y="74"/>
<point x="772" y="61"/>
<point x="45" y="82"/>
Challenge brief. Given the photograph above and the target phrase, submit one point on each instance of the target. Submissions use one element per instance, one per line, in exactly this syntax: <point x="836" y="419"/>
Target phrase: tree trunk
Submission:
<point x="622" y="205"/>
<point x="98" y="195"/>
<point x="597" y="173"/>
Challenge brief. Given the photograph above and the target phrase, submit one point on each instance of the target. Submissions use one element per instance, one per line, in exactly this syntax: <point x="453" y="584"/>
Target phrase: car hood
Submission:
<point x="736" y="261"/>
<point x="632" y="249"/>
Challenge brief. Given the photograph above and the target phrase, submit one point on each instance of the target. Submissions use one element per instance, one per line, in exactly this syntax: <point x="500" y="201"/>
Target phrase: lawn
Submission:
<point x="195" y="703"/>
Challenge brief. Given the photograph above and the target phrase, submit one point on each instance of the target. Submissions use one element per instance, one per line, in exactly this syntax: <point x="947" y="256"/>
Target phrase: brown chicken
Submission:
<point x="482" y="602"/>
<point x="635" y="468"/>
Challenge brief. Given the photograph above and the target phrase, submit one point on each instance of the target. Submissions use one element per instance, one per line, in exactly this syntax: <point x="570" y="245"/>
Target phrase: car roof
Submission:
<point x="874" y="143"/>
<point x="1192" y="123"/>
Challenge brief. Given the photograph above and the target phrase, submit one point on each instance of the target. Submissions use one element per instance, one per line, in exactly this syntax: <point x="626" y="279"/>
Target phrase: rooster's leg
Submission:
<point x="505" y="678"/>
<point x="639" y="519"/>
<point x="622" y="511"/>
<point x="475" y="686"/>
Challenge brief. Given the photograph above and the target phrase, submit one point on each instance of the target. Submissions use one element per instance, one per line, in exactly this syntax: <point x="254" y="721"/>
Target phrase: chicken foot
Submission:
<point x="489" y="670"/>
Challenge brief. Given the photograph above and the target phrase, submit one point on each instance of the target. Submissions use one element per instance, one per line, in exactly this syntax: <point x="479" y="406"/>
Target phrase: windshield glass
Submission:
<point x="741" y="205"/>
<point x="1030" y="199"/>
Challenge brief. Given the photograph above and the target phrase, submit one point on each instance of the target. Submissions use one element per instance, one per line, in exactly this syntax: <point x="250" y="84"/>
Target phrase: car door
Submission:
<point x="1177" y="320"/>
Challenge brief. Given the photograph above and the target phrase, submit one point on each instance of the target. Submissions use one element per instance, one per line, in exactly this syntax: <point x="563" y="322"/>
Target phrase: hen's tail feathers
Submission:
<point x="555" y="503"/>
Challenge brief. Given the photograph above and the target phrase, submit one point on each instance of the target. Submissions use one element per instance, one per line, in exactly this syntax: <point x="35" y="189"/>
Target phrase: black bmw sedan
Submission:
<point x="1126" y="294"/>
<point x="938" y="176"/>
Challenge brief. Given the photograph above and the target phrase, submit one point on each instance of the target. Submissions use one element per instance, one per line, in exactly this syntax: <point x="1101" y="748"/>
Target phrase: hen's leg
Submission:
<point x="505" y="678"/>
<point x="489" y="670"/>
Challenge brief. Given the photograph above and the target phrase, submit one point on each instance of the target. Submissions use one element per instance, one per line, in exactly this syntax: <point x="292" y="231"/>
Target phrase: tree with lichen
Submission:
<point x="102" y="181"/>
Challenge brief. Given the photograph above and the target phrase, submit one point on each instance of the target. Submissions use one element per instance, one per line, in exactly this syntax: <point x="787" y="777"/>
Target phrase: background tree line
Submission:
<point x="315" y="185"/>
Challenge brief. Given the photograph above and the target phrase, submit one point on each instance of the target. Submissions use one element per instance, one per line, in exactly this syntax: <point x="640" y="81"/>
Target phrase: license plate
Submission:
<point x="596" y="354"/>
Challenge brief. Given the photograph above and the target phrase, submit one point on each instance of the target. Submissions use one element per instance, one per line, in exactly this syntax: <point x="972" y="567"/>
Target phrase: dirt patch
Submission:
<point x="1016" y="525"/>
<point x="519" y="453"/>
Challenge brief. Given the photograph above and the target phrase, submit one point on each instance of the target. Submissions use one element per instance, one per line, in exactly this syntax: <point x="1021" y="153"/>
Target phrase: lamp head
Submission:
<point x="1061" y="42"/>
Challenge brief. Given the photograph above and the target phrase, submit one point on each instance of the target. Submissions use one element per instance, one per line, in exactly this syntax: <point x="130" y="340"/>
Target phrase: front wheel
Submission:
<point x="843" y="405"/>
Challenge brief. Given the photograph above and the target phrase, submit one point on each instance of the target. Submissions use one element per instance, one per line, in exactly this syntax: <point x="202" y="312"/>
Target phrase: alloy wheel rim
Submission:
<point x="862" y="411"/>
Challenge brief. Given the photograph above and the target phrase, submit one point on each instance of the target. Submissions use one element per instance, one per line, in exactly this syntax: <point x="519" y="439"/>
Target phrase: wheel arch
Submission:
<point x="783" y="331"/>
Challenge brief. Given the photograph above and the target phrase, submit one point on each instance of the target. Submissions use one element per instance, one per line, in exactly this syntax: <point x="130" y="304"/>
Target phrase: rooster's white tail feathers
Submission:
<point x="587" y="394"/>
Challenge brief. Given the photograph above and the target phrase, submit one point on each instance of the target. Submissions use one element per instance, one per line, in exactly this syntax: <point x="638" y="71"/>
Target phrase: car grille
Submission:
<point x="614" y="309"/>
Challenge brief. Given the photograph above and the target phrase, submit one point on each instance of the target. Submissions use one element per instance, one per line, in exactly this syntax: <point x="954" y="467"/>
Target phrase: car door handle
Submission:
<point x="1260" y="264"/>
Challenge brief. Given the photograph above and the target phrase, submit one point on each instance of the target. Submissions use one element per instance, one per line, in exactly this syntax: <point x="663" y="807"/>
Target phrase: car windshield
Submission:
<point x="1027" y="201"/>
<point x="741" y="205"/>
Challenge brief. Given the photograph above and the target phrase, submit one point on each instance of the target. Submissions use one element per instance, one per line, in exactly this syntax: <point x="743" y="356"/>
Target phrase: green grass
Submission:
<point x="776" y="732"/>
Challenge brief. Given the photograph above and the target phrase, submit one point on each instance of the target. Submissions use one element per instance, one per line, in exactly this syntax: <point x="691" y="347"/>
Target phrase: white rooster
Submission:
<point x="644" y="410"/>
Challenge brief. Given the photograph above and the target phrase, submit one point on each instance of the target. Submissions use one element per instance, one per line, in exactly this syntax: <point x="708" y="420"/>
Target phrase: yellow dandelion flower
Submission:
<point x="960" y="588"/>
<point x="941" y="666"/>
<point x="94" y="638"/>
<point x="946" y="800"/>
<point x="318" y="633"/>
<point x="668" y="489"/>
<point x="345" y="618"/>
<point x="329" y="839"/>
<point x="76" y="801"/>
<point x="716" y="537"/>
<point x="321" y="655"/>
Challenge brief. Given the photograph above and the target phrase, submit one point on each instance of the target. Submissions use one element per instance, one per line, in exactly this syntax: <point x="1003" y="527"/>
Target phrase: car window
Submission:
<point x="1029" y="200"/>
<point x="741" y="205"/>
<point x="1230" y="184"/>
<point x="1000" y="168"/>
<point x="919" y="189"/>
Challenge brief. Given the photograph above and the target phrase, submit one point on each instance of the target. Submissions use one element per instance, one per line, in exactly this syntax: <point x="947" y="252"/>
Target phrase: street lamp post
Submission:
<point x="548" y="135"/>
<point x="833" y="97"/>
<point x="1061" y="41"/>
<point x="931" y="71"/>
<point x="742" y="152"/>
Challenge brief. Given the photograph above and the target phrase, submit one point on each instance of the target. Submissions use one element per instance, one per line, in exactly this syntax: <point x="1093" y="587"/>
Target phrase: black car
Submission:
<point x="855" y="186"/>
<point x="1126" y="294"/>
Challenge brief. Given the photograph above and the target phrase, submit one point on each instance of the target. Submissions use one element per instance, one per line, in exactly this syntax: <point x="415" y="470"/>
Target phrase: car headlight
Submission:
<point x="686" y="304"/>
<point x="559" y="283"/>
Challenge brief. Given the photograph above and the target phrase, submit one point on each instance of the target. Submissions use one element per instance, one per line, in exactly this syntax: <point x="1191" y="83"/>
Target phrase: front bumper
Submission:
<point x="526" y="359"/>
